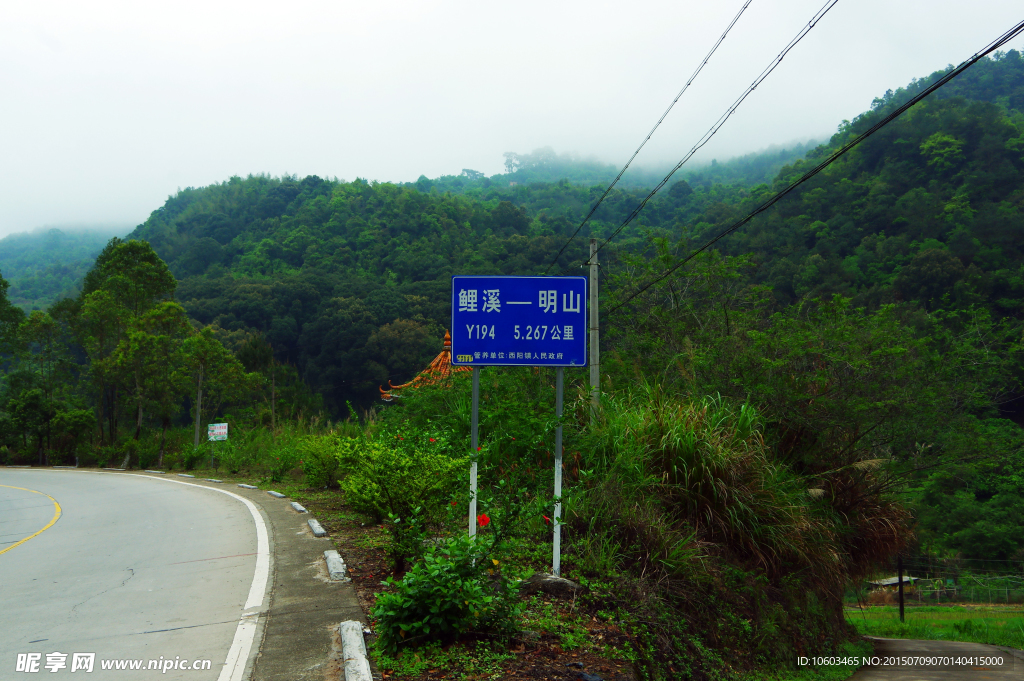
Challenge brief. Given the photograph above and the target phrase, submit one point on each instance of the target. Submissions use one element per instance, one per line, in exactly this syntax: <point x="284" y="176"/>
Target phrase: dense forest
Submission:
<point x="872" y="320"/>
<point x="48" y="264"/>
<point x="929" y="207"/>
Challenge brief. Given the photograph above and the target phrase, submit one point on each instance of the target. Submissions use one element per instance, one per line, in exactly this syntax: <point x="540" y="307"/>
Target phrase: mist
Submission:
<point x="112" y="106"/>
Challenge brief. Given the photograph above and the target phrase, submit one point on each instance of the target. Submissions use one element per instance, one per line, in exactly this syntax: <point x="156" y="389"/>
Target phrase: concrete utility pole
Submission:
<point x="199" y="405"/>
<point x="899" y="572"/>
<point x="595" y="348"/>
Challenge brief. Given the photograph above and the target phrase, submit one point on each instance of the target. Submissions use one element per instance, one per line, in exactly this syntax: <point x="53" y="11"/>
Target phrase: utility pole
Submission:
<point x="199" y="405"/>
<point x="595" y="348"/>
<point x="899" y="572"/>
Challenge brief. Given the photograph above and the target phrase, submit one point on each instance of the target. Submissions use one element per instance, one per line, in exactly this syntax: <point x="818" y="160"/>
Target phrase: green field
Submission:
<point x="979" y="624"/>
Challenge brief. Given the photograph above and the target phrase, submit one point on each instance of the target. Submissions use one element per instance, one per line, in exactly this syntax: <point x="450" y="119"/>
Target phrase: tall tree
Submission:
<point x="217" y="375"/>
<point x="256" y="354"/>
<point x="10" y="320"/>
<point x="149" y="360"/>
<point x="128" y="279"/>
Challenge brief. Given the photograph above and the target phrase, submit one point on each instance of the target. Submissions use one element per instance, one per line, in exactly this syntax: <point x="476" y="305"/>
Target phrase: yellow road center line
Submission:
<point x="56" y="516"/>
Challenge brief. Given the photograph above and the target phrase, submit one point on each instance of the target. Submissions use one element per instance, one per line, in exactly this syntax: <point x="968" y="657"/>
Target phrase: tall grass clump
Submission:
<point x="712" y="540"/>
<point x="675" y="475"/>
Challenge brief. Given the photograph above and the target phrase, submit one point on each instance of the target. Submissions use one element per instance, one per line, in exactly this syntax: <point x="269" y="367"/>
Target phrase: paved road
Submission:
<point x="133" y="568"/>
<point x="898" y="658"/>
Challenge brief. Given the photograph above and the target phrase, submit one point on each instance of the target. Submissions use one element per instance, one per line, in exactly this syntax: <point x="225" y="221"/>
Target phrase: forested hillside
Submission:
<point x="929" y="207"/>
<point x="43" y="265"/>
<point x="349" y="280"/>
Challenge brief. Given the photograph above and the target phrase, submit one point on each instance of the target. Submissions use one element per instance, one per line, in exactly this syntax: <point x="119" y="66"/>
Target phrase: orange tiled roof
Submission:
<point x="439" y="370"/>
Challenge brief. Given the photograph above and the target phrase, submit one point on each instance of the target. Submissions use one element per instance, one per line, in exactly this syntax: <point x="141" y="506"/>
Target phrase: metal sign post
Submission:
<point x="520" y="321"/>
<point x="556" y="541"/>
<point x="474" y="438"/>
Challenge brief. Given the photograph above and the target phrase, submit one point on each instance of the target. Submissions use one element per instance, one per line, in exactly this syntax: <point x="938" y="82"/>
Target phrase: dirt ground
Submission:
<point x="535" y="655"/>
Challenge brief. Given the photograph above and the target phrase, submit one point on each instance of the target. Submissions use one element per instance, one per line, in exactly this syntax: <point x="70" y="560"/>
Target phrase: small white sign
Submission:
<point x="217" y="431"/>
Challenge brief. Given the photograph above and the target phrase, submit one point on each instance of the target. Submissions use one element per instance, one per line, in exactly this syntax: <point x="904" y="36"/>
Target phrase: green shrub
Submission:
<point x="408" y="538"/>
<point x="319" y="459"/>
<point x="282" y="460"/>
<point x="457" y="588"/>
<point x="193" y="456"/>
<point x="105" y="457"/>
<point x="127" y="453"/>
<point x="385" y="478"/>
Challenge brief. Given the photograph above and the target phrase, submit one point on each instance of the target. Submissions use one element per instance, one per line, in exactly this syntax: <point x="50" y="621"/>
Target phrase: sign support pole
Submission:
<point x="595" y="348"/>
<point x="475" y="440"/>
<point x="556" y="558"/>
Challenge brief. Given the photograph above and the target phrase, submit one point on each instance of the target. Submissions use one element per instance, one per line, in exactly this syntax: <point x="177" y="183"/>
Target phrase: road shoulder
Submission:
<point x="300" y="642"/>
<point x="897" y="659"/>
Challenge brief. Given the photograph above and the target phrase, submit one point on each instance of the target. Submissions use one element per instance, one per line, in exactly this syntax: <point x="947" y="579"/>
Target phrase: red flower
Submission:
<point x="454" y="502"/>
<point x="479" y="448"/>
<point x="513" y="438"/>
<point x="483" y="520"/>
<point x="546" y="519"/>
<point x="431" y="439"/>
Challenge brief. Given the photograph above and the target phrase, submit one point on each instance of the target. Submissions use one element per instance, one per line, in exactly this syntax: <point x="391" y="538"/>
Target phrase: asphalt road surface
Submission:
<point x="911" y="660"/>
<point x="131" y="569"/>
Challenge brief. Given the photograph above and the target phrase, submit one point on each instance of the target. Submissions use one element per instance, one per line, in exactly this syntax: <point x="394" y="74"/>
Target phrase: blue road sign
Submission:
<point x="519" y="321"/>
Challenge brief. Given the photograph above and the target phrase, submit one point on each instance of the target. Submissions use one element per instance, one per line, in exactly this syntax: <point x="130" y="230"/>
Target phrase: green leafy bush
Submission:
<point x="193" y="456"/>
<point x="282" y="460"/>
<point x="408" y="538"/>
<point x="388" y="477"/>
<point x="319" y="459"/>
<point x="458" y="587"/>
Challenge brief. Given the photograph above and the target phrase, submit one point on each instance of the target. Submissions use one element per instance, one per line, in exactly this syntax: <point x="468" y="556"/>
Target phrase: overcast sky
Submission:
<point x="108" y="107"/>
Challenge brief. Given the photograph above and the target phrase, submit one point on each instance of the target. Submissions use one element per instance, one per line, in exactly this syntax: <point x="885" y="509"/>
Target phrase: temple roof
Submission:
<point x="440" y="369"/>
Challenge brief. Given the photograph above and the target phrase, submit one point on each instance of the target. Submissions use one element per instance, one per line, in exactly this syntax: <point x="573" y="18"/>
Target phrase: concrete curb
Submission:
<point x="212" y="480"/>
<point x="63" y="466"/>
<point x="318" y="530"/>
<point x="277" y="495"/>
<point x="353" y="649"/>
<point x="108" y="469"/>
<point x="157" y="472"/>
<point x="243" y="486"/>
<point x="19" y="466"/>
<point x="336" y="566"/>
<point x="185" y="475"/>
<point x="298" y="507"/>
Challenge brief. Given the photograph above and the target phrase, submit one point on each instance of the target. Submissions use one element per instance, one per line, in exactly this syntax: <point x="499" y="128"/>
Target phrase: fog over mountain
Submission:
<point x="120" y="104"/>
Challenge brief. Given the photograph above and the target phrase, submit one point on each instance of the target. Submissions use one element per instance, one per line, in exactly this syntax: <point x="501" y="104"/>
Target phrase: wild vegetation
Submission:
<point x="836" y="383"/>
<point x="48" y="264"/>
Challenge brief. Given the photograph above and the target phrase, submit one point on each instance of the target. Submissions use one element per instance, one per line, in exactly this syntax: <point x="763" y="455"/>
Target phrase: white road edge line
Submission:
<point x="245" y="634"/>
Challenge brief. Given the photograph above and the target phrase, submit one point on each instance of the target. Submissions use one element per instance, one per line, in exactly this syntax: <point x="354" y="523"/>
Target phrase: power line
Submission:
<point x="725" y="117"/>
<point x="646" y="139"/>
<point x="999" y="42"/>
